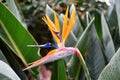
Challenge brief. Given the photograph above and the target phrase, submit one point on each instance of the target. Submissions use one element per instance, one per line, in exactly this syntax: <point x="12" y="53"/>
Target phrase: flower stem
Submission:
<point x="82" y="61"/>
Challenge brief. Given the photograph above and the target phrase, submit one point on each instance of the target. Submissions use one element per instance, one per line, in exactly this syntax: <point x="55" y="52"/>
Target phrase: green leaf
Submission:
<point x="118" y="13"/>
<point x="112" y="70"/>
<point x="18" y="36"/>
<point x="95" y="59"/>
<point x="6" y="73"/>
<point x="108" y="44"/>
<point x="98" y="25"/>
<point x="74" y="64"/>
<point x="8" y="55"/>
<point x="5" y="38"/>
<point x="59" y="73"/>
<point x="84" y="38"/>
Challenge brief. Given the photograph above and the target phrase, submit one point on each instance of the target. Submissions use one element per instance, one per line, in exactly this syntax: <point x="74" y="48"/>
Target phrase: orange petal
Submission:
<point x="65" y="25"/>
<point x="51" y="27"/>
<point x="56" y="22"/>
<point x="52" y="52"/>
<point x="71" y="24"/>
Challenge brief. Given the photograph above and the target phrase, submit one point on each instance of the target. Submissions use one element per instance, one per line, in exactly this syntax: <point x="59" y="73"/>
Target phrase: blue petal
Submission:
<point x="56" y="32"/>
<point x="47" y="45"/>
<point x="59" y="37"/>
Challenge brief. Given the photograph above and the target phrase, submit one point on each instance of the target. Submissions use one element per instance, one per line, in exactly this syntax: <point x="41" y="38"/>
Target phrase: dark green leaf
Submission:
<point x="8" y="54"/>
<point x="58" y="71"/>
<point x="98" y="25"/>
<point x="2" y="57"/>
<point x="5" y="38"/>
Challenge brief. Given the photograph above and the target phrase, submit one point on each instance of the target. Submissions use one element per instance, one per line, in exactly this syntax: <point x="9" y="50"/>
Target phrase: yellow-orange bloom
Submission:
<point x="61" y="50"/>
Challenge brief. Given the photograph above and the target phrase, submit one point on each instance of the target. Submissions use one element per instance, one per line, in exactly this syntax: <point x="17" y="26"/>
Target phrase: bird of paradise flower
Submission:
<point x="60" y="50"/>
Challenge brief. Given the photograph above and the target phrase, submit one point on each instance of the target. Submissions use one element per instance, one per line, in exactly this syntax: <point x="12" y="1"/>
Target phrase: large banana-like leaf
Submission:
<point x="6" y="73"/>
<point x="58" y="71"/>
<point x="108" y="45"/>
<point x="18" y="36"/>
<point x="13" y="8"/>
<point x="95" y="59"/>
<point x="112" y="70"/>
<point x="5" y="38"/>
<point x="118" y="13"/>
<point x="74" y="64"/>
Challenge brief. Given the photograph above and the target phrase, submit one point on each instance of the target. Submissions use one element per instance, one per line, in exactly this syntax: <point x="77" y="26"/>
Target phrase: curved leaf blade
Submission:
<point x="108" y="44"/>
<point x="98" y="25"/>
<point x="18" y="36"/>
<point x="74" y="64"/>
<point x="112" y="70"/>
<point x="95" y="59"/>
